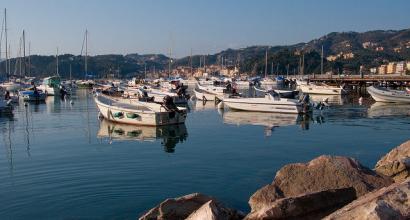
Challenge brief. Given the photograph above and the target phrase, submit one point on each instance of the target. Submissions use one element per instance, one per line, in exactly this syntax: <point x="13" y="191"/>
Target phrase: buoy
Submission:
<point x="25" y="104"/>
<point x="71" y="102"/>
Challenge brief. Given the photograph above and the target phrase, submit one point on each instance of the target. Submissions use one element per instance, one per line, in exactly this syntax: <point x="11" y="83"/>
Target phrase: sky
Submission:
<point x="179" y="26"/>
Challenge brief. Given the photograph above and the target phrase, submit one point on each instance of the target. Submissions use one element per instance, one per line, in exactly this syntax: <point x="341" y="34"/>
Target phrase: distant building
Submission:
<point x="382" y="69"/>
<point x="373" y="70"/>
<point x="348" y="55"/>
<point x="400" y="67"/>
<point x="332" y="57"/>
<point x="379" y="48"/>
<point x="397" y="49"/>
<point x="391" y="68"/>
<point x="408" y="65"/>
<point x="368" y="45"/>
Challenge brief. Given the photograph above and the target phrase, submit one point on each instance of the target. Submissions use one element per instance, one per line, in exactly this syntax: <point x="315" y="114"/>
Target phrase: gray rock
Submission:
<point x="396" y="164"/>
<point x="213" y="210"/>
<point x="307" y="206"/>
<point x="178" y="208"/>
<point x="390" y="202"/>
<point x="324" y="173"/>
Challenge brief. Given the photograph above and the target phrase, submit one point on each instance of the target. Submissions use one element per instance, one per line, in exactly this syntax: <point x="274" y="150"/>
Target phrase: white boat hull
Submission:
<point x="202" y="95"/>
<point x="393" y="96"/>
<point x="267" y="104"/>
<point x="50" y="91"/>
<point x="121" y="113"/>
<point x="323" y="90"/>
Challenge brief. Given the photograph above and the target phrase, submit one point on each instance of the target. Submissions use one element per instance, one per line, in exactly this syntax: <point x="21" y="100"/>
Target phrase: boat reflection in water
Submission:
<point x="380" y="109"/>
<point x="331" y="99"/>
<point x="268" y="120"/>
<point x="200" y="105"/>
<point x="170" y="135"/>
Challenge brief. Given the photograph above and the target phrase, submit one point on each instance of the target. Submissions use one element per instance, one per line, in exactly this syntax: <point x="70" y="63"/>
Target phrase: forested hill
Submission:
<point x="347" y="50"/>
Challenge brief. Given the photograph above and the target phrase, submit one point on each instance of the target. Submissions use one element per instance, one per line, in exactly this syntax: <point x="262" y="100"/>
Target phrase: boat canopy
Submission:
<point x="53" y="81"/>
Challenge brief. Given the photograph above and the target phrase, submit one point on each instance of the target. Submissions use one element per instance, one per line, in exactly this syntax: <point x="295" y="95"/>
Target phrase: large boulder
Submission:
<point x="194" y="206"/>
<point x="323" y="173"/>
<point x="307" y="206"/>
<point x="213" y="210"/>
<point x="396" y="164"/>
<point x="390" y="202"/>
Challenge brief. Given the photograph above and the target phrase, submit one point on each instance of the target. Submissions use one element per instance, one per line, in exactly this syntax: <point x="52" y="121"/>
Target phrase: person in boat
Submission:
<point x="7" y="96"/>
<point x="63" y="92"/>
<point x="35" y="91"/>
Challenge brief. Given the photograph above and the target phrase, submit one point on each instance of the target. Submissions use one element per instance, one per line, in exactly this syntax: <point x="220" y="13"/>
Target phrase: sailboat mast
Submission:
<point x="7" y="54"/>
<point x="86" y="52"/>
<point x="57" y="62"/>
<point x="24" y="53"/>
<point x="29" y="58"/>
<point x="266" y="63"/>
<point x="190" y="63"/>
<point x="321" y="63"/>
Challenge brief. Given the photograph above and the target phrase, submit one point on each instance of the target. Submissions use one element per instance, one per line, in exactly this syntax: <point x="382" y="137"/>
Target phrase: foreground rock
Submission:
<point x="387" y="203"/>
<point x="396" y="164"/>
<point x="319" y="180"/>
<point x="214" y="211"/>
<point x="192" y="206"/>
<point x="306" y="206"/>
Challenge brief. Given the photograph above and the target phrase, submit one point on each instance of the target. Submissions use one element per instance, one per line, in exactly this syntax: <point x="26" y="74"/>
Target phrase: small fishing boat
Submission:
<point x="270" y="103"/>
<point x="282" y="93"/>
<point x="321" y="89"/>
<point x="11" y="86"/>
<point x="215" y="90"/>
<point x="51" y="85"/>
<point x="5" y="105"/>
<point x="157" y="94"/>
<point x="380" y="94"/>
<point x="32" y="95"/>
<point x="130" y="111"/>
<point x="204" y="95"/>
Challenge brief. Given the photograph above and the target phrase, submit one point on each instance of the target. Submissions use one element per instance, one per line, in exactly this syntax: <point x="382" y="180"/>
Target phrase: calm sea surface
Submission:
<point x="59" y="161"/>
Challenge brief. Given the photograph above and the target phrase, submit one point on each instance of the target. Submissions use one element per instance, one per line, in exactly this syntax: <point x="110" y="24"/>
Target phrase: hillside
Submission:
<point x="346" y="52"/>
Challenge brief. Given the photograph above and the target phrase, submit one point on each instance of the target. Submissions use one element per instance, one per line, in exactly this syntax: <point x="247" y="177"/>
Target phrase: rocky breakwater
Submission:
<point x="329" y="187"/>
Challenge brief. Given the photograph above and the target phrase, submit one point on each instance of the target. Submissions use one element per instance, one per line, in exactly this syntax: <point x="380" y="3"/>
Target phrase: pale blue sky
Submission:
<point x="206" y="26"/>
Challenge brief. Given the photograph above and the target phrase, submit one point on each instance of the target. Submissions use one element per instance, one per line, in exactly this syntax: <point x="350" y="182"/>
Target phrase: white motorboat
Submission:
<point x="51" y="85"/>
<point x="321" y="89"/>
<point x="268" y="82"/>
<point x="270" y="103"/>
<point x="126" y="132"/>
<point x="5" y="105"/>
<point x="11" y="86"/>
<point x="131" y="111"/>
<point x="380" y="94"/>
<point x="329" y="99"/>
<point x="215" y="90"/>
<point x="282" y="93"/>
<point x="157" y="94"/>
<point x="204" y="95"/>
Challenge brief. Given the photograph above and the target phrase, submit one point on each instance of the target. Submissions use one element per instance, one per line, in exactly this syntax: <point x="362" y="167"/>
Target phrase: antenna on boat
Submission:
<point x="7" y="54"/>
<point x="57" y="63"/>
<point x="24" y="53"/>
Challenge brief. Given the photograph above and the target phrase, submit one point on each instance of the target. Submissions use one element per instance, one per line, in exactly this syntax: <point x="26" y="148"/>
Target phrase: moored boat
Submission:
<point x="321" y="89"/>
<point x="130" y="111"/>
<point x="203" y="95"/>
<point x="51" y="85"/>
<point x="270" y="103"/>
<point x="32" y="94"/>
<point x="380" y="94"/>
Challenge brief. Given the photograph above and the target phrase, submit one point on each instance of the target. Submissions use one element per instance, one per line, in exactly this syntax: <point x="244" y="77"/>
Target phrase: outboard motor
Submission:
<point x="169" y="104"/>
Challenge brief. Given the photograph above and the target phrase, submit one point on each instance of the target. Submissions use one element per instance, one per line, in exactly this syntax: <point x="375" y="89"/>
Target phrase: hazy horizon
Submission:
<point x="206" y="27"/>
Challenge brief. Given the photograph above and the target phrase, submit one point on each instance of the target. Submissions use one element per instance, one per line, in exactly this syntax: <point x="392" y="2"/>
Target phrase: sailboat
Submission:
<point x="10" y="85"/>
<point x="85" y="84"/>
<point x="51" y="85"/>
<point x="266" y="81"/>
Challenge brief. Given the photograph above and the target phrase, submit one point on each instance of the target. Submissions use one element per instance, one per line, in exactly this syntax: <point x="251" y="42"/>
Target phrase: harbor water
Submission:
<point x="58" y="160"/>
